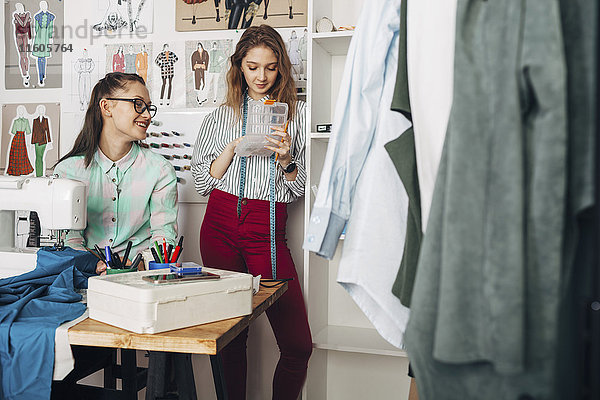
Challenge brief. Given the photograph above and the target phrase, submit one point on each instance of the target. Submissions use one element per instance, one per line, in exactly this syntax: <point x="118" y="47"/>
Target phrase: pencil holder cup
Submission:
<point x="155" y="265"/>
<point x="111" y="271"/>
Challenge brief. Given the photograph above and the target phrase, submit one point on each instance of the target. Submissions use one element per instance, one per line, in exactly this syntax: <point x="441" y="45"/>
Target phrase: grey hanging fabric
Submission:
<point x="485" y="302"/>
<point x="402" y="153"/>
<point x="580" y="30"/>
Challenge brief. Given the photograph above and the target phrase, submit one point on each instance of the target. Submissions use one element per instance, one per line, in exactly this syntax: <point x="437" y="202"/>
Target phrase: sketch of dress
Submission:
<point x="18" y="160"/>
<point x="23" y="34"/>
<point x="84" y="67"/>
<point x="43" y="23"/>
<point x="118" y="62"/>
<point x="40" y="138"/>
<point x="141" y="64"/>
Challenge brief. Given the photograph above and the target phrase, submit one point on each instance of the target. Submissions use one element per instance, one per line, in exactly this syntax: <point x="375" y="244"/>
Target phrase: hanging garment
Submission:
<point x="23" y="36"/>
<point x="580" y="27"/>
<point x="200" y="62"/>
<point x="430" y="63"/>
<point x="141" y="65"/>
<point x="130" y="63"/>
<point x="485" y="302"/>
<point x="32" y="306"/>
<point x="18" y="160"/>
<point x="118" y="62"/>
<point x="359" y="184"/>
<point x="402" y="153"/>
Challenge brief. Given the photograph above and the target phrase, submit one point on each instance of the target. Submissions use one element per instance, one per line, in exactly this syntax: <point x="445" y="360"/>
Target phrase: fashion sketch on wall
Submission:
<point x="34" y="46"/>
<point x="165" y="60"/>
<point x="131" y="58"/>
<point x="84" y="66"/>
<point x="29" y="144"/>
<point x="197" y="15"/>
<point x="208" y="61"/>
<point x="124" y="16"/>
<point x="296" y="47"/>
<point x="82" y="70"/>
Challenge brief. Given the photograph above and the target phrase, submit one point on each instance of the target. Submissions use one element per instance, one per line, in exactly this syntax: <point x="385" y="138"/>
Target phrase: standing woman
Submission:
<point x="239" y="219"/>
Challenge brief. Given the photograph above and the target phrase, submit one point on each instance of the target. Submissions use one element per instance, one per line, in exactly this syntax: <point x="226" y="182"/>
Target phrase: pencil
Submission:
<point x="284" y="131"/>
<point x="94" y="253"/>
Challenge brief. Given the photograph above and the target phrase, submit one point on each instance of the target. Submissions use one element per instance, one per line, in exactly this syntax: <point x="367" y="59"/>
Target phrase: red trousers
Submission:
<point x="243" y="244"/>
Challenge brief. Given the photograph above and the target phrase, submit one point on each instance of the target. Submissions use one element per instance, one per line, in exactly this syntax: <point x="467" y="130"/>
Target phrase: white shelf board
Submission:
<point x="315" y="135"/>
<point x="355" y="340"/>
<point x="334" y="43"/>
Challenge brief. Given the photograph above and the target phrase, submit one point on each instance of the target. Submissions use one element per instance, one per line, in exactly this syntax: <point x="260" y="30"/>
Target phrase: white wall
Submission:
<point x="263" y="353"/>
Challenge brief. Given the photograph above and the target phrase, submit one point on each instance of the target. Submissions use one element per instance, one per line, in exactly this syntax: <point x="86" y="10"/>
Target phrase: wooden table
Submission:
<point x="201" y="339"/>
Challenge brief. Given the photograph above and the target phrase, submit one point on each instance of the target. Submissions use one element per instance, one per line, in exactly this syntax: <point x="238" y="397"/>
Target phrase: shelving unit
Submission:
<point x="346" y="345"/>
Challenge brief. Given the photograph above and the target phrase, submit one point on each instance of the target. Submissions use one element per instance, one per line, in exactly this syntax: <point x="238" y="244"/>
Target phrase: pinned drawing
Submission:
<point x="130" y="15"/>
<point x="33" y="44"/>
<point x="195" y="15"/>
<point x="22" y="36"/>
<point x="206" y="74"/>
<point x="18" y="157"/>
<point x="293" y="50"/>
<point x="82" y="69"/>
<point x="166" y="60"/>
<point x="28" y="145"/>
<point x="84" y="66"/>
<point x="42" y="42"/>
<point x="131" y="58"/>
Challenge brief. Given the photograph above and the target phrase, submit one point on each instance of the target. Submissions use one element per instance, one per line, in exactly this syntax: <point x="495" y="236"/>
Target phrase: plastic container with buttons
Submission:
<point x="261" y="118"/>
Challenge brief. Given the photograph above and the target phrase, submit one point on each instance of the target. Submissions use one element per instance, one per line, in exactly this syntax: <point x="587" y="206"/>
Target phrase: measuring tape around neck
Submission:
<point x="272" y="170"/>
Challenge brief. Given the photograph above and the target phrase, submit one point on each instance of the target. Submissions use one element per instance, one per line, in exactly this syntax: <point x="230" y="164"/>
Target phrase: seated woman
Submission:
<point x="132" y="191"/>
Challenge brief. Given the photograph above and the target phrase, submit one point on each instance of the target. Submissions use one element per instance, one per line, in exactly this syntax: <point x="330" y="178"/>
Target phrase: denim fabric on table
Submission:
<point x="32" y="306"/>
<point x="484" y="307"/>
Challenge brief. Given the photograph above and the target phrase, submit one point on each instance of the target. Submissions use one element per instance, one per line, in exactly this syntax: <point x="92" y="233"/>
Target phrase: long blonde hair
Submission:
<point x="283" y="90"/>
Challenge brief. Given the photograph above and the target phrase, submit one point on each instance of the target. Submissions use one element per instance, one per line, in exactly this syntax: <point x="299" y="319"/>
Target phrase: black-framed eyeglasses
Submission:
<point x="139" y="106"/>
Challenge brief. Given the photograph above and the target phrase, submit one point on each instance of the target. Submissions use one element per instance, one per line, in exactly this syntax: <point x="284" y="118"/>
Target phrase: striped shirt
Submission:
<point x="221" y="127"/>
<point x="134" y="199"/>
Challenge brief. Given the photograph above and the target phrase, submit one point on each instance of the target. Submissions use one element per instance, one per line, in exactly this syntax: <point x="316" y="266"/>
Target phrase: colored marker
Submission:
<point x="136" y="261"/>
<point x="155" y="255"/>
<point x="158" y="252"/>
<point x="127" y="251"/>
<point x="108" y="256"/>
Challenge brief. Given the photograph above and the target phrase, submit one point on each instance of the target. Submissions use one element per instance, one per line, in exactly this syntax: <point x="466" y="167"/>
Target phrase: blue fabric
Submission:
<point x="32" y="306"/>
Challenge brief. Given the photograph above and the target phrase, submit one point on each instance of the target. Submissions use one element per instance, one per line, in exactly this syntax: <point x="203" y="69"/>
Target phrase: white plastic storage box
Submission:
<point x="127" y="301"/>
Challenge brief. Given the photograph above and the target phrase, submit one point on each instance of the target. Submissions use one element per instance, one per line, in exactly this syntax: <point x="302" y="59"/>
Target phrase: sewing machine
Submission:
<point x="60" y="205"/>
